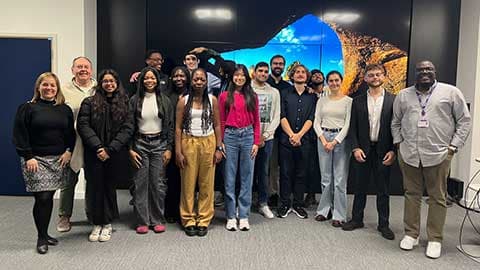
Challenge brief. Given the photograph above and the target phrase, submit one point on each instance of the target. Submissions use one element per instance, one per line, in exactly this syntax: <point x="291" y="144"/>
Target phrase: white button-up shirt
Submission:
<point x="374" y="112"/>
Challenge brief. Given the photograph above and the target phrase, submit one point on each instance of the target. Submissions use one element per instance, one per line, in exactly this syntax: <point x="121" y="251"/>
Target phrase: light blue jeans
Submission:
<point x="238" y="145"/>
<point x="334" y="170"/>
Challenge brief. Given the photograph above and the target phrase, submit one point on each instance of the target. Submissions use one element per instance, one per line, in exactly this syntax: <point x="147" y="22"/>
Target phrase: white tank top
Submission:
<point x="196" y="125"/>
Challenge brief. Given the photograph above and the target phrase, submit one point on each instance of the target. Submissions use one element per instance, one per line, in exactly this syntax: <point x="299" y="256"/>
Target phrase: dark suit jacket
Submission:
<point x="359" y="132"/>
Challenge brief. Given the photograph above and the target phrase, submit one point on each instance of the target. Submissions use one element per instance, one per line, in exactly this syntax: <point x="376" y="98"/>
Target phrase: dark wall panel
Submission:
<point x="17" y="88"/>
<point x="434" y="36"/>
<point x="121" y="35"/>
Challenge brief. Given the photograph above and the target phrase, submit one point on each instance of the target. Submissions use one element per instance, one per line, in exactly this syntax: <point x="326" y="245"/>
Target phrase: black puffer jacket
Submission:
<point x="102" y="130"/>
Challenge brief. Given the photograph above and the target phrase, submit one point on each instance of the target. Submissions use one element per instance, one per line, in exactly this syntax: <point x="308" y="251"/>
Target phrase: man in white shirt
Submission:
<point x="373" y="150"/>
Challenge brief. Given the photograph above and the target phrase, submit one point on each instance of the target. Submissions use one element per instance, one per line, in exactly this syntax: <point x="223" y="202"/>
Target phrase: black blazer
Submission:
<point x="359" y="132"/>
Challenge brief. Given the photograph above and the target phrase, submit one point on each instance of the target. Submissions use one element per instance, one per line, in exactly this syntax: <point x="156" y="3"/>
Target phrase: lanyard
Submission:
<point x="423" y="105"/>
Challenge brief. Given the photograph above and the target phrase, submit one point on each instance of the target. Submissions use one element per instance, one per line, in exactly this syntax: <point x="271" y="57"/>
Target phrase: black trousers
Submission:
<point x="381" y="175"/>
<point x="102" y="180"/>
<point x="172" y="199"/>
<point x="294" y="167"/>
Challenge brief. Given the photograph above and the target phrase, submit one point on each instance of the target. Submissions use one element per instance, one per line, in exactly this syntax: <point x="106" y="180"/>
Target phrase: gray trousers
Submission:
<point x="67" y="194"/>
<point x="150" y="182"/>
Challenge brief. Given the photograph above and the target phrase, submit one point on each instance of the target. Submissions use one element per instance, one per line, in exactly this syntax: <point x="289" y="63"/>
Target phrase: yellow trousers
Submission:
<point x="200" y="168"/>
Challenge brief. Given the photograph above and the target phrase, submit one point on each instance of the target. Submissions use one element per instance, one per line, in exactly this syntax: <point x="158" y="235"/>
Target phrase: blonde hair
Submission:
<point x="59" y="97"/>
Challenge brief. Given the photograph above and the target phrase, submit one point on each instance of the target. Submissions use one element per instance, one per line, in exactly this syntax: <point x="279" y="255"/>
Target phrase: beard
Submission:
<point x="424" y="86"/>
<point x="374" y="85"/>
<point x="277" y="72"/>
<point x="316" y="84"/>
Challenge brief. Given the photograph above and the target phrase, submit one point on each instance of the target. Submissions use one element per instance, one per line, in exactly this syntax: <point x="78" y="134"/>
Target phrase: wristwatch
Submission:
<point x="219" y="148"/>
<point x="453" y="148"/>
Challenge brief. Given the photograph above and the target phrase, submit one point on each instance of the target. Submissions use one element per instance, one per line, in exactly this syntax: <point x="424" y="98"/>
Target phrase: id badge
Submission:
<point x="422" y="123"/>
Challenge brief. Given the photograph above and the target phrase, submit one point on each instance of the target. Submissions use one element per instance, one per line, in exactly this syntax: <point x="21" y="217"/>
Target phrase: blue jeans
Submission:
<point x="262" y="164"/>
<point x="238" y="146"/>
<point x="334" y="170"/>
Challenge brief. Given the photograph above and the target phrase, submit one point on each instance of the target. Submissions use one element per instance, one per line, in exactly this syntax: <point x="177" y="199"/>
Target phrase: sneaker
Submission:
<point x="265" y="211"/>
<point x="244" y="225"/>
<point x="352" y="225"/>
<point x="300" y="212"/>
<point x="408" y="242"/>
<point x="95" y="234"/>
<point x="63" y="224"/>
<point x="106" y="233"/>
<point x="283" y="211"/>
<point x="434" y="250"/>
<point x="159" y="228"/>
<point x="231" y="224"/>
<point x="142" y="229"/>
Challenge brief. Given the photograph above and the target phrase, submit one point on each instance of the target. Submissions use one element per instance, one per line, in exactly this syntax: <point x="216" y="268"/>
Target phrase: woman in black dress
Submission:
<point x="102" y="124"/>
<point x="44" y="138"/>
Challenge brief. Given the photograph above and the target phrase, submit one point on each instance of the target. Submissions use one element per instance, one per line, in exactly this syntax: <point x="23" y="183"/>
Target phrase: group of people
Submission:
<point x="230" y="125"/>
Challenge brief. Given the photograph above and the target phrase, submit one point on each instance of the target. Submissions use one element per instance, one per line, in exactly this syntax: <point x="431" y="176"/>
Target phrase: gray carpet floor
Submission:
<point x="289" y="243"/>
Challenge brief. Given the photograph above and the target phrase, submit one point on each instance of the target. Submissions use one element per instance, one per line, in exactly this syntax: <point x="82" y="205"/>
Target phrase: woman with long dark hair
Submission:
<point x="102" y="124"/>
<point x="151" y="151"/>
<point x="240" y="125"/>
<point x="178" y="86"/>
<point x="198" y="149"/>
<point x="44" y="138"/>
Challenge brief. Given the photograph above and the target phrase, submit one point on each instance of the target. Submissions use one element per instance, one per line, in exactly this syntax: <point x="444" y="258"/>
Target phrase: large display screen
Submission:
<point x="325" y="34"/>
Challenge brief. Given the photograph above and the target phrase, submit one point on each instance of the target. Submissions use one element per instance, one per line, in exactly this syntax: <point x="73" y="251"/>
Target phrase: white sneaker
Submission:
<point x="106" y="233"/>
<point x="408" y="242"/>
<point x="434" y="250"/>
<point x="265" y="211"/>
<point x="243" y="224"/>
<point x="95" y="234"/>
<point x="231" y="224"/>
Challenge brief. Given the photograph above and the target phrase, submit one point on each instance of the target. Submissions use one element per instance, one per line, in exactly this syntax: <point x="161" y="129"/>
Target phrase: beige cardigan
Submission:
<point x="74" y="96"/>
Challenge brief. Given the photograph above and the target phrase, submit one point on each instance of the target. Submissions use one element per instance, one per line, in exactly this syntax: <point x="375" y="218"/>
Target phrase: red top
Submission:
<point x="238" y="116"/>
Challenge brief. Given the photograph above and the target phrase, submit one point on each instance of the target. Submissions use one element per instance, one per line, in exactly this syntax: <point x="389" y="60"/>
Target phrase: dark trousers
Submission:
<point x="150" y="182"/>
<point x="172" y="199"/>
<point x="294" y="163"/>
<point x="381" y="175"/>
<point x="102" y="179"/>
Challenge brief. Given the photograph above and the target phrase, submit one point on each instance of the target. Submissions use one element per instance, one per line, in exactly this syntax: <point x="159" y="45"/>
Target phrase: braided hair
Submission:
<point x="207" y="108"/>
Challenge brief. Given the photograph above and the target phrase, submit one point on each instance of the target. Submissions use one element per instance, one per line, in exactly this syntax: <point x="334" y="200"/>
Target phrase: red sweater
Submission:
<point x="238" y="116"/>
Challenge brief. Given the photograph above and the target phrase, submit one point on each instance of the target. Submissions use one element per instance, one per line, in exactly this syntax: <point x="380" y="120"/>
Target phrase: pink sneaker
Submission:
<point x="159" y="228"/>
<point x="142" y="229"/>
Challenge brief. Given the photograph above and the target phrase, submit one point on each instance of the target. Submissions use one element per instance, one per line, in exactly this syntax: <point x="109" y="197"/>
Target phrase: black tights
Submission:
<point x="42" y="211"/>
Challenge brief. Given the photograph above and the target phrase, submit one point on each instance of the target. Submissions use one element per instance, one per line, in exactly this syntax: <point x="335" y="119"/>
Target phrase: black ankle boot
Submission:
<point x="42" y="246"/>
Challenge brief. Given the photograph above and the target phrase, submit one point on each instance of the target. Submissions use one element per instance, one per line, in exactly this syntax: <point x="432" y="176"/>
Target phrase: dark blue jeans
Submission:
<point x="260" y="176"/>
